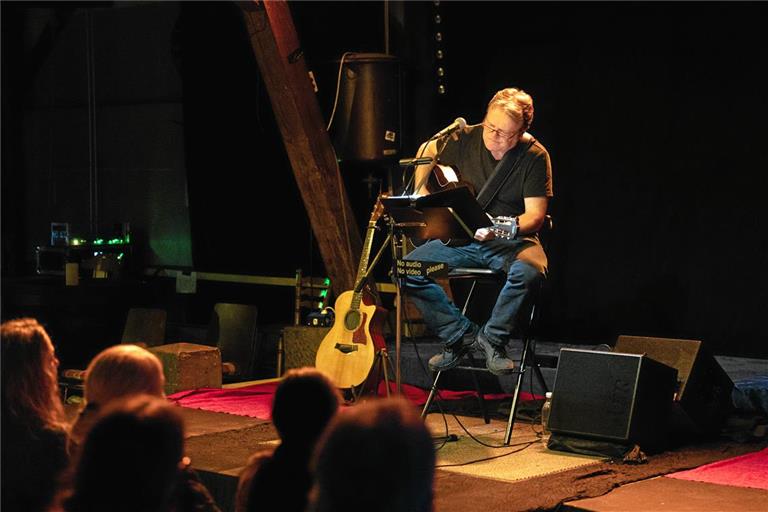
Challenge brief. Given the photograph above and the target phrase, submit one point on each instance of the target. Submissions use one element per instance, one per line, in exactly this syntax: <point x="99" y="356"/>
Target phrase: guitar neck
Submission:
<point x="363" y="266"/>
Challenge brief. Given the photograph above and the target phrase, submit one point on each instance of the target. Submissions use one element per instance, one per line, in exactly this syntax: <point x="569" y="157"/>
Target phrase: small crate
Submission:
<point x="189" y="366"/>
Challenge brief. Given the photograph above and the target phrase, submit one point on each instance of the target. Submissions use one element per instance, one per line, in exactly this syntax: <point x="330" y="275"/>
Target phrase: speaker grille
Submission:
<point x="610" y="396"/>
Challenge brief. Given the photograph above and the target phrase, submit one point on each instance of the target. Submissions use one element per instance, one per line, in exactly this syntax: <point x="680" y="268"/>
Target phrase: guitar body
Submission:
<point x="445" y="177"/>
<point x="348" y="351"/>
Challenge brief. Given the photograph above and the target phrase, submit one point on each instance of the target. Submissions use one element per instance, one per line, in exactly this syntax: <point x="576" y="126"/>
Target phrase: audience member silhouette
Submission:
<point x="116" y="373"/>
<point x="132" y="459"/>
<point x="34" y="434"/>
<point x="304" y="403"/>
<point x="378" y="456"/>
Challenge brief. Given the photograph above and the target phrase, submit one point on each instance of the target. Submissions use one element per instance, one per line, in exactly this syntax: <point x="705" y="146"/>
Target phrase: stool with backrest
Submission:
<point x="466" y="284"/>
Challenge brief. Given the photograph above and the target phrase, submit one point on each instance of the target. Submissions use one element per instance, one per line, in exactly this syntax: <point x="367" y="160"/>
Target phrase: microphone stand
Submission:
<point x="396" y="241"/>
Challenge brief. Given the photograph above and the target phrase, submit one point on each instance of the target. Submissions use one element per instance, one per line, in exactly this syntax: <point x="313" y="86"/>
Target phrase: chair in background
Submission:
<point x="145" y="327"/>
<point x="233" y="329"/>
<point x="466" y="284"/>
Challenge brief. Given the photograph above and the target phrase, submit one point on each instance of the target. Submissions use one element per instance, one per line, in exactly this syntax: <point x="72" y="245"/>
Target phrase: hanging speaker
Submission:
<point x="366" y="124"/>
<point x="619" y="398"/>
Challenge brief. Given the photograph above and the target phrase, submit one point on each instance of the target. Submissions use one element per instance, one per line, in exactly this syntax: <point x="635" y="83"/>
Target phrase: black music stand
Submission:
<point x="449" y="214"/>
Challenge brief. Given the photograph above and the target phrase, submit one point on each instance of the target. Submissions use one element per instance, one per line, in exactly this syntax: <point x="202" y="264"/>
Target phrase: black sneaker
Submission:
<point x="452" y="354"/>
<point x="495" y="356"/>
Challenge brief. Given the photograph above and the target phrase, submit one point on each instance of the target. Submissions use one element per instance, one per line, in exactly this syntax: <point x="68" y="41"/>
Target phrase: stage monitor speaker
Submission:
<point x="620" y="398"/>
<point x="703" y="398"/>
<point x="366" y="124"/>
<point x="300" y="343"/>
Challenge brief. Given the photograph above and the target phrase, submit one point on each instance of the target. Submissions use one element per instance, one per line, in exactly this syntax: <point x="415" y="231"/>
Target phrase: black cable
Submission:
<point x="525" y="445"/>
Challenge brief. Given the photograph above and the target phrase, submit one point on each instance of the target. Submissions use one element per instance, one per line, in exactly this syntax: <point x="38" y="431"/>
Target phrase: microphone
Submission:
<point x="405" y="162"/>
<point x="459" y="124"/>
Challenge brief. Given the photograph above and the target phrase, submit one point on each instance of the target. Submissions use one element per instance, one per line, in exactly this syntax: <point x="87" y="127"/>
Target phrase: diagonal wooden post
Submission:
<point x="278" y="52"/>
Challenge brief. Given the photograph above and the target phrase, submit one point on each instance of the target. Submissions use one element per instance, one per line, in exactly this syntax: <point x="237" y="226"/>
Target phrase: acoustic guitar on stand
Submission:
<point x="348" y="351"/>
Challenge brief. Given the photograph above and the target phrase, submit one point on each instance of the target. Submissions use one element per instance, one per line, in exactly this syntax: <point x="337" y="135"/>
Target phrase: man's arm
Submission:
<point x="535" y="213"/>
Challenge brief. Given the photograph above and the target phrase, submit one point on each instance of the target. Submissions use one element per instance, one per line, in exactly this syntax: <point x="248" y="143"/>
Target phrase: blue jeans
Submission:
<point x="443" y="318"/>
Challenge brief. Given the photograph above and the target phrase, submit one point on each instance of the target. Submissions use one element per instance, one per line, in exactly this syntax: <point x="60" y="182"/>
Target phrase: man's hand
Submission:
<point x="484" y="234"/>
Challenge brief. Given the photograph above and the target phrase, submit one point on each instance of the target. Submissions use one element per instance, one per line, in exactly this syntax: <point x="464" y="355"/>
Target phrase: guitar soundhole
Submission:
<point x="352" y="320"/>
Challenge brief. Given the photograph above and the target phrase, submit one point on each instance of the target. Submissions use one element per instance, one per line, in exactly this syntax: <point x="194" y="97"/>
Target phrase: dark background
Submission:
<point x="654" y="115"/>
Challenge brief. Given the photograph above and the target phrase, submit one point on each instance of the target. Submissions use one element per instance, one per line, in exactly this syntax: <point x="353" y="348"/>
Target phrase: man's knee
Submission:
<point x="524" y="273"/>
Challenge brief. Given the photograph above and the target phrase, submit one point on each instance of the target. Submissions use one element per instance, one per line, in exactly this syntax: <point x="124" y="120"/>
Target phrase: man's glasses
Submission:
<point x="498" y="133"/>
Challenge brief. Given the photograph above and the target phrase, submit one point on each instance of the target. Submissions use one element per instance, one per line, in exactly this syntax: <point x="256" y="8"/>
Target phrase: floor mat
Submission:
<point x="749" y="470"/>
<point x="478" y="450"/>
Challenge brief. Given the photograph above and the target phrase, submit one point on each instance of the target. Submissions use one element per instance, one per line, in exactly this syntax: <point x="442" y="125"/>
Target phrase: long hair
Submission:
<point x="120" y="371"/>
<point x="30" y="375"/>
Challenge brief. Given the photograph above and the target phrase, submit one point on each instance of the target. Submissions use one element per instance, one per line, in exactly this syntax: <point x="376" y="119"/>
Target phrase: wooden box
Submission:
<point x="189" y="366"/>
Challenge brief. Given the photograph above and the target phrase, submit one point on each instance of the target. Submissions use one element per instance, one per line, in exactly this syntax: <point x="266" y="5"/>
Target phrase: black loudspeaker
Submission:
<point x="366" y="124"/>
<point x="605" y="396"/>
<point x="703" y="399"/>
<point x="300" y="345"/>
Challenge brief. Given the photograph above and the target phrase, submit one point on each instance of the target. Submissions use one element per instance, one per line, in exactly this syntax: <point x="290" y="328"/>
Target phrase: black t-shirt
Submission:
<point x="532" y="176"/>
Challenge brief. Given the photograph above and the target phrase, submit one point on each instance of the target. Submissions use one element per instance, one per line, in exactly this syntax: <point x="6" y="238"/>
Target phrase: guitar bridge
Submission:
<point x="345" y="348"/>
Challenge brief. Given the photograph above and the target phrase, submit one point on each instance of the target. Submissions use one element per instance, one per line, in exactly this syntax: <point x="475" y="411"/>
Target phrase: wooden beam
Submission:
<point x="278" y="52"/>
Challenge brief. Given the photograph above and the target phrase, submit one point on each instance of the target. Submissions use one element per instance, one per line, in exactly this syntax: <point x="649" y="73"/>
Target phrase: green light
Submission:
<point x="320" y="305"/>
<point x="115" y="241"/>
<point x="98" y="241"/>
<point x="327" y="281"/>
<point x="120" y="256"/>
<point x="323" y="293"/>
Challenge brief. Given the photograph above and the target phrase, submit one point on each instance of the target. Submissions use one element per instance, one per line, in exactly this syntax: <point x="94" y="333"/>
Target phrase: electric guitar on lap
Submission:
<point x="348" y="351"/>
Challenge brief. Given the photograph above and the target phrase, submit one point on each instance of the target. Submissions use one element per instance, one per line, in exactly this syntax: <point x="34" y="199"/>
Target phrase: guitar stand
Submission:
<point x="382" y="366"/>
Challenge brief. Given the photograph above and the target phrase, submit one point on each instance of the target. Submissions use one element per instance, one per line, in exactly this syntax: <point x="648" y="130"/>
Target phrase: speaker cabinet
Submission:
<point x="703" y="398"/>
<point x="300" y="345"/>
<point x="620" y="398"/>
<point x="366" y="126"/>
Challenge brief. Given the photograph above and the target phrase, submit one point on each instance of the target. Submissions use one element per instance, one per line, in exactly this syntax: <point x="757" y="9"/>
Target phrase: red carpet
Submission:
<point x="256" y="401"/>
<point x="253" y="401"/>
<point x="750" y="470"/>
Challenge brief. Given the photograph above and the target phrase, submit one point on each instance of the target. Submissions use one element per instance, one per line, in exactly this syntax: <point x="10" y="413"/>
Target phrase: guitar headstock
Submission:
<point x="378" y="209"/>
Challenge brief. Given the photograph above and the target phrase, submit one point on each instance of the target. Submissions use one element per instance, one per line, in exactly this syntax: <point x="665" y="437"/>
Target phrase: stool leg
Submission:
<point x="516" y="395"/>
<point x="431" y="396"/>
<point x="480" y="398"/>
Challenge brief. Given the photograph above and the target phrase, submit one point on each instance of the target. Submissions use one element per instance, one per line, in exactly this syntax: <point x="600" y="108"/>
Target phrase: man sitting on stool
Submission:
<point x="521" y="189"/>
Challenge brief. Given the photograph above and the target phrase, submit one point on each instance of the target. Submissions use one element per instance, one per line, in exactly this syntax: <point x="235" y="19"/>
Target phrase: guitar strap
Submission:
<point x="504" y="169"/>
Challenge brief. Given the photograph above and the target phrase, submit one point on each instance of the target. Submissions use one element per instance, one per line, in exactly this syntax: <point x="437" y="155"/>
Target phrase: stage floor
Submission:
<point x="476" y="471"/>
<point x="663" y="494"/>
